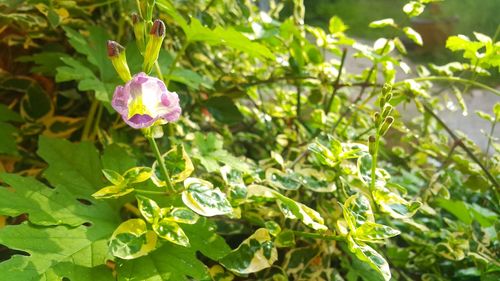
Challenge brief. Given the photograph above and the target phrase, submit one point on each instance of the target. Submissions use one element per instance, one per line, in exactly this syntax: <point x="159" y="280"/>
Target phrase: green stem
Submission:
<point x="96" y="122"/>
<point x="158" y="70"/>
<point x="318" y="236"/>
<point x="374" y="168"/>
<point x="156" y="150"/>
<point x="450" y="79"/>
<point x="150" y="192"/>
<point x="336" y="83"/>
<point x="299" y="94"/>
<point x="463" y="146"/>
<point x="174" y="63"/>
<point x="492" y="130"/>
<point x="90" y="119"/>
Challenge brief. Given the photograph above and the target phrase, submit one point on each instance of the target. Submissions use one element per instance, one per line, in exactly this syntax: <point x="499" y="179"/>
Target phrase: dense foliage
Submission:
<point x="283" y="165"/>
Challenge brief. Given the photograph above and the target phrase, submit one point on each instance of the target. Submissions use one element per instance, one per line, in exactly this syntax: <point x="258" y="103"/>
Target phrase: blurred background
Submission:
<point x="439" y="20"/>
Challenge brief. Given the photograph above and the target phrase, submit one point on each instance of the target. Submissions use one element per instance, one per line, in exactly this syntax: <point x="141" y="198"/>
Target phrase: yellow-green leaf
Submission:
<point x="257" y="252"/>
<point x="111" y="191"/>
<point x="138" y="174"/>
<point x="171" y="231"/>
<point x="132" y="239"/>
<point x="148" y="208"/>
<point x="201" y="197"/>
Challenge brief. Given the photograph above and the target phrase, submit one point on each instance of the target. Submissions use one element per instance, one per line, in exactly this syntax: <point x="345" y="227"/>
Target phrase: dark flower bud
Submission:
<point x="135" y="18"/>
<point x="154" y="44"/>
<point x="114" y="49"/>
<point x="376" y="118"/>
<point x="371" y="144"/>
<point x="158" y="28"/>
<point x="116" y="53"/>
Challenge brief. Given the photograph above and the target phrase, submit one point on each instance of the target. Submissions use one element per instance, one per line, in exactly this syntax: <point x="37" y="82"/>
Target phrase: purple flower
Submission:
<point x="145" y="100"/>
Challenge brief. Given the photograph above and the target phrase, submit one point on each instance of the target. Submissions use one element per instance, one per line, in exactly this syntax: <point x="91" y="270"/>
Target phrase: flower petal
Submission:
<point x="139" y="121"/>
<point x="120" y="100"/>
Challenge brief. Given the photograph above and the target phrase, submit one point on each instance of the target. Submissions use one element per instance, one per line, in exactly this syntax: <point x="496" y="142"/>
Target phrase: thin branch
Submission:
<point x="362" y="91"/>
<point x="336" y="83"/>
<point x="462" y="145"/>
<point x="450" y="79"/>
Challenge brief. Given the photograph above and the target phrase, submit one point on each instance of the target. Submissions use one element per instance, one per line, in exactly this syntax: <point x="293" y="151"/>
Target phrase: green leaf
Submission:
<point x="117" y="158"/>
<point x="223" y="110"/>
<point x="315" y="181"/>
<point x="254" y="254"/>
<point x="190" y="78"/>
<point x="370" y="231"/>
<point x="413" y="35"/>
<point x="74" y="172"/>
<point x="296" y="210"/>
<point x="182" y="215"/>
<point x="7" y="114"/>
<point x="74" y="166"/>
<point x="132" y="239"/>
<point x="113" y="176"/>
<point x="178" y="164"/>
<point x="201" y="197"/>
<point x="8" y="143"/>
<point x="357" y="211"/>
<point x="413" y="8"/>
<point x="171" y="231"/>
<point x="369" y="255"/>
<point x="286" y="181"/>
<point x="209" y="150"/>
<point x="174" y="262"/>
<point x="138" y="174"/>
<point x="45" y="206"/>
<point x="285" y="239"/>
<point x="87" y="80"/>
<point x="395" y="205"/>
<point x="112" y="191"/>
<point x="53" y="251"/>
<point x="230" y="37"/>
<point x="336" y="25"/>
<point x="149" y="208"/>
<point x="237" y="189"/>
<point x="382" y="23"/>
<point x="457" y="208"/>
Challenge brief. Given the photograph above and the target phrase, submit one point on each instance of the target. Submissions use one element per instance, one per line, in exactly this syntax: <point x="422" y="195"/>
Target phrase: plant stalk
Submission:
<point x="159" y="158"/>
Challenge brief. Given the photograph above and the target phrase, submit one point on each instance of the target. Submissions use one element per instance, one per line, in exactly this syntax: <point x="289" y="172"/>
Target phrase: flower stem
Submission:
<point x="174" y="63"/>
<point x="90" y="119"/>
<point x="374" y="168"/>
<point x="156" y="150"/>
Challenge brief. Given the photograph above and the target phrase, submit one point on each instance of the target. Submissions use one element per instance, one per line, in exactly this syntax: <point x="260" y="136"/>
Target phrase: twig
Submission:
<point x="462" y="145"/>
<point x="336" y="83"/>
<point x="450" y="79"/>
<point x="362" y="91"/>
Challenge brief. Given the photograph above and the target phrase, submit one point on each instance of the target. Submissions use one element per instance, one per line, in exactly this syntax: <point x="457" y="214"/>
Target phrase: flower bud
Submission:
<point x="116" y="53"/>
<point x="382" y="102"/>
<point x="153" y="47"/>
<point x="388" y="97"/>
<point x="386" y="89"/>
<point x="371" y="144"/>
<point x="139" y="27"/>
<point x="386" y="125"/>
<point x="387" y="110"/>
<point x="376" y="118"/>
